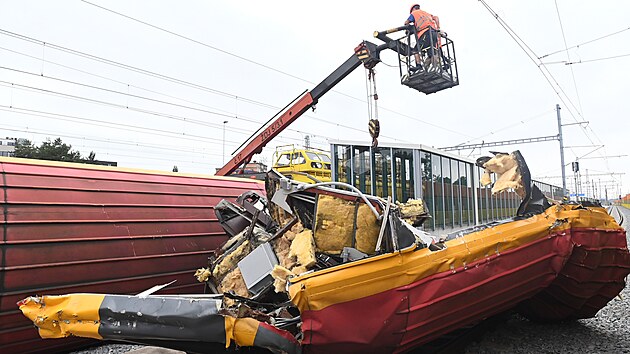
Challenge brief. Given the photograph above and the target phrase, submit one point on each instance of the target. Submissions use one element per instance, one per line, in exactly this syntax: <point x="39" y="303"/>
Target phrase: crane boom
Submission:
<point x="366" y="53"/>
<point x="308" y="100"/>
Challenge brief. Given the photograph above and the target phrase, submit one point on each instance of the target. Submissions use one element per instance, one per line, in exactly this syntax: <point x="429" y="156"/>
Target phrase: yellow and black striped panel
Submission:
<point x="150" y="319"/>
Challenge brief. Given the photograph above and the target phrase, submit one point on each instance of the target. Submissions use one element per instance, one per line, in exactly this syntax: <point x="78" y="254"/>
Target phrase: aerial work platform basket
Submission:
<point x="426" y="67"/>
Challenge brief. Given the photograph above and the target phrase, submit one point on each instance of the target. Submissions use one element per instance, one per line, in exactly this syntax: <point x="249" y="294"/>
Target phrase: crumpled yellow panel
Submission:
<point x="374" y="275"/>
<point x="241" y="330"/>
<point x="334" y="224"/>
<point x="64" y="315"/>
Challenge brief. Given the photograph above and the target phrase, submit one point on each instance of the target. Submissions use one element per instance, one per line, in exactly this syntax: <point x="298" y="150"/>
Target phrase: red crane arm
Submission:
<point x="256" y="145"/>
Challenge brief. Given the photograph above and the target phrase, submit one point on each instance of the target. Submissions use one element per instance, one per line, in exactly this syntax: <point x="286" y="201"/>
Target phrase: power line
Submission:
<point x="508" y="126"/>
<point x="123" y="66"/>
<point x="195" y="41"/>
<point x="128" y="94"/>
<point x="541" y="66"/>
<point x="546" y="73"/>
<point x="581" y="44"/>
<point x="260" y="64"/>
<point x="113" y="80"/>
<point x="50" y="133"/>
<point x="116" y="105"/>
<point x="598" y="59"/>
<point x="127" y="107"/>
<point x="107" y="141"/>
<point x="118" y="126"/>
<point x="152" y="91"/>
<point x="229" y="95"/>
<point x="569" y="58"/>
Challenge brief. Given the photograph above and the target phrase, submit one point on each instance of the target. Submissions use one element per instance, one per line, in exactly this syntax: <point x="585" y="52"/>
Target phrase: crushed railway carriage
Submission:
<point x="320" y="270"/>
<point x="71" y="227"/>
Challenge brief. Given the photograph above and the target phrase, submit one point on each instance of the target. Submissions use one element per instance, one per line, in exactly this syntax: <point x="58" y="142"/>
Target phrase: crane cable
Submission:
<point x="373" y="124"/>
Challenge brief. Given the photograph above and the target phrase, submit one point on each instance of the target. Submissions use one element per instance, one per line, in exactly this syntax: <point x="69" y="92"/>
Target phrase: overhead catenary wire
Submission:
<point x="597" y="59"/>
<point x="557" y="88"/>
<point x="122" y="126"/>
<point x="99" y="154"/>
<point x="170" y="116"/>
<point x="584" y="43"/>
<point x="126" y="66"/>
<point x="564" y="39"/>
<point x="95" y="148"/>
<point x="194" y="41"/>
<point x="48" y="133"/>
<point x="223" y="93"/>
<point x="520" y="122"/>
<point x="548" y="76"/>
<point x="112" y="104"/>
<point x="263" y="65"/>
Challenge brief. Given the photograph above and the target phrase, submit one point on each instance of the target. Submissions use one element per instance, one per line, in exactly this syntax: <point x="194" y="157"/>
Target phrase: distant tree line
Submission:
<point x="51" y="150"/>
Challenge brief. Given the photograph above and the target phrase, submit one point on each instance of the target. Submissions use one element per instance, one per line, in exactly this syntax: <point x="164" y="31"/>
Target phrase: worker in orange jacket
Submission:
<point x="427" y="26"/>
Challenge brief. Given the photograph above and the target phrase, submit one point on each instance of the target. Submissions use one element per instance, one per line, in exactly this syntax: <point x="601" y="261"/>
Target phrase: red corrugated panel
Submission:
<point x="409" y="316"/>
<point x="74" y="228"/>
<point x="592" y="276"/>
<point x="570" y="274"/>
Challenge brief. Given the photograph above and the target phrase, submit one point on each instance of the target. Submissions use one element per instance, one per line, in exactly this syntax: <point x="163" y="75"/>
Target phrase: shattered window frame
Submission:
<point x="438" y="187"/>
<point x="456" y="196"/>
<point x="403" y="174"/>
<point x="427" y="188"/>
<point x="453" y="194"/>
<point x="382" y="162"/>
<point x="343" y="169"/>
<point x="362" y="169"/>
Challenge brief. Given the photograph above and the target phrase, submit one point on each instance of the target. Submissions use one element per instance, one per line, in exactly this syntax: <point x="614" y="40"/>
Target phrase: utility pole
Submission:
<point x="564" y="177"/>
<point x="223" y="154"/>
<point x="588" y="184"/>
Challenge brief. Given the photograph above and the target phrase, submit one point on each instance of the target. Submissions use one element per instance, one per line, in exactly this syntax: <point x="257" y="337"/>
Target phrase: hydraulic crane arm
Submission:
<point x="367" y="53"/>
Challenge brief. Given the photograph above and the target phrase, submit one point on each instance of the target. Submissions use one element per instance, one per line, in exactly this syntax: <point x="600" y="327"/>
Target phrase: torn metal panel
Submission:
<point x="151" y="318"/>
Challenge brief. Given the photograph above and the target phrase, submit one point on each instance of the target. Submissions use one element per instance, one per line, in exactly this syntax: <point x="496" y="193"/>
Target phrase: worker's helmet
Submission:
<point x="412" y="6"/>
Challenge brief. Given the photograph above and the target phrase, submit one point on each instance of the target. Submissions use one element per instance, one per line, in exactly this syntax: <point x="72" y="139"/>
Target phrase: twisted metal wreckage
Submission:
<point x="321" y="269"/>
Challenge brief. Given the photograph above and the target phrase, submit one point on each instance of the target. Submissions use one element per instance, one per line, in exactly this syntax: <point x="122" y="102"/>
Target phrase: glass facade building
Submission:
<point x="448" y="183"/>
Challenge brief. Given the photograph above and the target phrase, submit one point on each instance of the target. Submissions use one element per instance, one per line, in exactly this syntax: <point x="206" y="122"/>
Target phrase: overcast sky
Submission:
<point x="134" y="93"/>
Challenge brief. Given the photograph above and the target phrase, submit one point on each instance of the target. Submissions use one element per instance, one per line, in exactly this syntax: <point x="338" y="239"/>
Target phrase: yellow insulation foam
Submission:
<point x="231" y="260"/>
<point x="303" y="248"/>
<point x="280" y="275"/>
<point x="281" y="246"/>
<point x="367" y="230"/>
<point x="334" y="224"/>
<point x="234" y="281"/>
